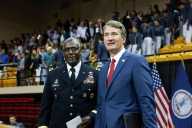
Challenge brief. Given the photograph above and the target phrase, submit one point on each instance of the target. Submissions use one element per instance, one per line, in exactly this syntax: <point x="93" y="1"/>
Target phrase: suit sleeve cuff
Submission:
<point x="42" y="127"/>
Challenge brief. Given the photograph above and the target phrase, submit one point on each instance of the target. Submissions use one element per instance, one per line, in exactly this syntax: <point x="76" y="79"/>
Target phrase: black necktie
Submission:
<point x="73" y="75"/>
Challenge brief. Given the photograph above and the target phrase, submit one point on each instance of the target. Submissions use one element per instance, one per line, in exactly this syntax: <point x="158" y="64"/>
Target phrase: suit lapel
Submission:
<point x="118" y="68"/>
<point x="81" y="76"/>
<point x="65" y="75"/>
<point x="104" y="78"/>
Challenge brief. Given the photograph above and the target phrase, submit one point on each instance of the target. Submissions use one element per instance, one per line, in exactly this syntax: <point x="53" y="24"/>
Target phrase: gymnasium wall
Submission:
<point x="25" y="15"/>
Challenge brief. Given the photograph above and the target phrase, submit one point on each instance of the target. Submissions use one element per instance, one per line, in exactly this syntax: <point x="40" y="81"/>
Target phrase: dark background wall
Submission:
<point x="18" y="16"/>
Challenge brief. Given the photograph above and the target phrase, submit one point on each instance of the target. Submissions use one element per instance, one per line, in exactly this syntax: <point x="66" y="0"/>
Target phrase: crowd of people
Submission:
<point x="146" y="34"/>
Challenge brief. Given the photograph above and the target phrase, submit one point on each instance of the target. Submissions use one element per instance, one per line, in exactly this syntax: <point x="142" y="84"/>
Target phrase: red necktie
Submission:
<point x="112" y="66"/>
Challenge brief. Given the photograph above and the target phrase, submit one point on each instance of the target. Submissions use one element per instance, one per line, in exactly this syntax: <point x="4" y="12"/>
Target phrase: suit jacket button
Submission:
<point x="71" y="114"/>
<point x="71" y="97"/>
<point x="71" y="105"/>
<point x="106" y="101"/>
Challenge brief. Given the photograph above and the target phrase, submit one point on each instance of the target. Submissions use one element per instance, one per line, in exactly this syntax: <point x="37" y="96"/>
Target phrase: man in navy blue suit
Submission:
<point x="102" y="53"/>
<point x="125" y="85"/>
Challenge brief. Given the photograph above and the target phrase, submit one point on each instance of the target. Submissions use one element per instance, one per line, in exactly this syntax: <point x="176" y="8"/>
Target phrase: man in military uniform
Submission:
<point x="69" y="91"/>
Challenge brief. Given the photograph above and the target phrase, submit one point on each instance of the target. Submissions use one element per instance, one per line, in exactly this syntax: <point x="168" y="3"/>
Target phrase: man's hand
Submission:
<point x="153" y="42"/>
<point x="136" y="51"/>
<point x="86" y="122"/>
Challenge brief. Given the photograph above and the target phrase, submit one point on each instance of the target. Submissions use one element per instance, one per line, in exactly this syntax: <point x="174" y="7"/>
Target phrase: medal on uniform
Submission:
<point x="90" y="78"/>
<point x="56" y="81"/>
<point x="84" y="82"/>
<point x="91" y="95"/>
<point x="84" y="95"/>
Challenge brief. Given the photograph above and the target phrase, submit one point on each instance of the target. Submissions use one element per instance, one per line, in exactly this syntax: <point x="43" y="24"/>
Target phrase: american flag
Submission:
<point x="163" y="114"/>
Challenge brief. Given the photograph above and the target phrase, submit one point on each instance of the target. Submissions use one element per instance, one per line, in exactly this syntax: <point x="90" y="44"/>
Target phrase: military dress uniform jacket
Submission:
<point x="62" y="101"/>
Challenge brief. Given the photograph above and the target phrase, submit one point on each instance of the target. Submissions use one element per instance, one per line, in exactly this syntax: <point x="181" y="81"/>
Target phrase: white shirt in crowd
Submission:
<point x="20" y="48"/>
<point x="81" y="32"/>
<point x="91" y="32"/>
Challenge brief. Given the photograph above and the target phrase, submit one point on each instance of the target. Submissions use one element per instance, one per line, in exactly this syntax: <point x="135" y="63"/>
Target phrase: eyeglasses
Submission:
<point x="74" y="49"/>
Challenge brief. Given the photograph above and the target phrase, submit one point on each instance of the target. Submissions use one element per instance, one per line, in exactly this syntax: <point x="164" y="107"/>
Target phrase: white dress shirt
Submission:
<point x="77" y="69"/>
<point x="81" y="32"/>
<point x="91" y="32"/>
<point x="117" y="58"/>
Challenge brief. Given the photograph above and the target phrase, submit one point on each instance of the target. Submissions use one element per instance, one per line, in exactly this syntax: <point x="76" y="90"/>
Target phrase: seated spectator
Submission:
<point x="4" y="59"/>
<point x="13" y="122"/>
<point x="85" y="54"/>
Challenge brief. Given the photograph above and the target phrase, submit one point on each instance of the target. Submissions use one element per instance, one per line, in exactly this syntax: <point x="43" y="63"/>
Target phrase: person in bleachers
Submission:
<point x="91" y="34"/>
<point x="27" y="39"/>
<point x="159" y="35"/>
<point x="156" y="16"/>
<point x="15" y="54"/>
<point x="81" y="32"/>
<point x="56" y="37"/>
<point x="4" y="59"/>
<point x="47" y="61"/>
<point x="85" y="53"/>
<point x="59" y="58"/>
<point x="148" y="33"/>
<point x="135" y="41"/>
<point x="20" y="47"/>
<point x="35" y="64"/>
<point x="134" y="18"/>
<point x="168" y="25"/>
<point x="70" y="33"/>
<point x="156" y="9"/>
<point x="49" y="31"/>
<point x="32" y="43"/>
<point x="29" y="71"/>
<point x="13" y="122"/>
<point x="102" y="53"/>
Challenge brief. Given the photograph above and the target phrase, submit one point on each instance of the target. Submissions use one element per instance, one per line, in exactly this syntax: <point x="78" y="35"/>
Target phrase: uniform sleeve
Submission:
<point x="93" y="113"/>
<point x="143" y="84"/>
<point x="98" y="108"/>
<point x="46" y="104"/>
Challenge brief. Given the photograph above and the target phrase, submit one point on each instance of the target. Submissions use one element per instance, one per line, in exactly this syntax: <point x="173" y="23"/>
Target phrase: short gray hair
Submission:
<point x="74" y="40"/>
<point x="117" y="25"/>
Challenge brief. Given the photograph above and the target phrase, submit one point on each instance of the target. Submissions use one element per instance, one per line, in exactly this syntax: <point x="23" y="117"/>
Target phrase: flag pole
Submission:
<point x="182" y="60"/>
<point x="154" y="59"/>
